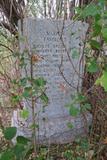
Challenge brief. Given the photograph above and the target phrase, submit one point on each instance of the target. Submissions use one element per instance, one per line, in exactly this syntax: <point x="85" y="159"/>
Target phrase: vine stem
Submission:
<point x="33" y="111"/>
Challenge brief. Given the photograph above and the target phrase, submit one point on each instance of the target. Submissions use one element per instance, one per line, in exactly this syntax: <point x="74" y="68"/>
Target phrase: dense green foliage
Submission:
<point x="31" y="87"/>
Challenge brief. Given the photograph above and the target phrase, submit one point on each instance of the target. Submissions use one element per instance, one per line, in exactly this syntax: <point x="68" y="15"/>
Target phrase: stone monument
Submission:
<point x="60" y="44"/>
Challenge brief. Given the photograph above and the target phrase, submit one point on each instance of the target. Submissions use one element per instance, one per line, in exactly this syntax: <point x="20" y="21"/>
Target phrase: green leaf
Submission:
<point x="84" y="144"/>
<point x="32" y="126"/>
<point x="14" y="81"/>
<point x="22" y="140"/>
<point x="75" y="53"/>
<point x="7" y="155"/>
<point x="27" y="92"/>
<point x="79" y="158"/>
<point x="95" y="45"/>
<point x="102" y="81"/>
<point x="104" y="33"/>
<point x="86" y="107"/>
<point x="92" y="66"/>
<point x="68" y="154"/>
<point x="40" y="82"/>
<point x="96" y="29"/>
<point x="102" y="3"/>
<point x="70" y="125"/>
<point x="10" y="132"/>
<point x="97" y="18"/>
<point x="15" y="98"/>
<point x="19" y="150"/>
<point x="74" y="111"/>
<point x="24" y="113"/>
<point x="81" y="98"/>
<point x="90" y="10"/>
<point x="44" y="98"/>
<point x="23" y="82"/>
<point x="22" y="62"/>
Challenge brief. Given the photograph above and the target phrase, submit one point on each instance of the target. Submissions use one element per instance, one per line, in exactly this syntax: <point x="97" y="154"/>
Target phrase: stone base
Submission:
<point x="55" y="130"/>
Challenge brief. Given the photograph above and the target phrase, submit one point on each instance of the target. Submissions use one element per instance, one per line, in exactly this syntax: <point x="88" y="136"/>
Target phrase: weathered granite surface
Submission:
<point x="44" y="39"/>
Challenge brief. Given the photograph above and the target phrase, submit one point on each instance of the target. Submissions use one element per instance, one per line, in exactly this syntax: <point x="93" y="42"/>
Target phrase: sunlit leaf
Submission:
<point x="24" y="113"/>
<point x="102" y="80"/>
<point x="104" y="33"/>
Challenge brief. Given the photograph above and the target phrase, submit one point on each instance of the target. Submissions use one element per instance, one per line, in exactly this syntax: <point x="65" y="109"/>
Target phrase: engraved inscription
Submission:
<point x="54" y="40"/>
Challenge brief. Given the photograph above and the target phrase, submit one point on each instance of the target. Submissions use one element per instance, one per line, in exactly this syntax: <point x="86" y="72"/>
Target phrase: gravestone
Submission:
<point x="60" y="44"/>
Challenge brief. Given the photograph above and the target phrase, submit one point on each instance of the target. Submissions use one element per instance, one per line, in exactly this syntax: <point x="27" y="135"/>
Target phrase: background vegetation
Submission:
<point x="94" y="81"/>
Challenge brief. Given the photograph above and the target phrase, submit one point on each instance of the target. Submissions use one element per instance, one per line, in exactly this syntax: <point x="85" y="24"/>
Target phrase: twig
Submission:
<point x="7" y="47"/>
<point x="62" y="74"/>
<point x="61" y="38"/>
